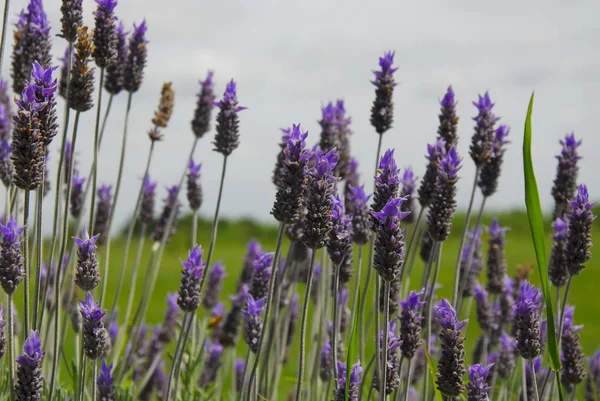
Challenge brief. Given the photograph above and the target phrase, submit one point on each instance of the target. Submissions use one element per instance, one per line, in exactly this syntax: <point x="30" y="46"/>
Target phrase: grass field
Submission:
<point x="234" y="236"/>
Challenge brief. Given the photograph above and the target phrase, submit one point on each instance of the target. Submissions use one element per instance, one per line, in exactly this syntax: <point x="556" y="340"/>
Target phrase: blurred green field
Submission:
<point x="233" y="237"/>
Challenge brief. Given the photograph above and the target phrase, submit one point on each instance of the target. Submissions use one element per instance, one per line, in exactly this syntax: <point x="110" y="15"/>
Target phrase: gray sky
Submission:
<point x="290" y="57"/>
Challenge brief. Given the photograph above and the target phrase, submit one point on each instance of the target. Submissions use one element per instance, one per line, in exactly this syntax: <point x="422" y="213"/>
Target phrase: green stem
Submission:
<point x="437" y="251"/>
<point x="411" y="242"/>
<point x="309" y="279"/>
<point x="408" y="380"/>
<point x="11" y="345"/>
<point x="26" y="262"/>
<point x="379" y="366"/>
<point x="187" y="322"/>
<point x="386" y="319"/>
<point x="38" y="263"/>
<point x="363" y="302"/>
<point x="95" y="155"/>
<point x="335" y="328"/>
<point x="4" y="25"/>
<point x="195" y="228"/>
<point x="95" y="375"/>
<point x="356" y="284"/>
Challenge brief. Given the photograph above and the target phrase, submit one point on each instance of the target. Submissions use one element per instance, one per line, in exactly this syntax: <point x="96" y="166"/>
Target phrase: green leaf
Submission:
<point x="536" y="222"/>
<point x="352" y="347"/>
<point x="438" y="395"/>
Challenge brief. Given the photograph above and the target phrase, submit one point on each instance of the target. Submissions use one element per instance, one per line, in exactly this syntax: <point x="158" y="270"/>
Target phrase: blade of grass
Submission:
<point x="438" y="395"/>
<point x="353" y="345"/>
<point x="536" y="222"/>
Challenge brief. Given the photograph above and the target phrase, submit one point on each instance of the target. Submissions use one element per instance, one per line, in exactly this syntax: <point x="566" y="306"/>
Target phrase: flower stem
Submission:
<point x="187" y="322"/>
<point x="272" y="279"/>
<point x="356" y="285"/>
<point x="363" y="302"/>
<point x="26" y="262"/>
<point x="38" y="259"/>
<point x="63" y="246"/>
<point x="436" y="252"/>
<point x="195" y="228"/>
<point x="4" y="25"/>
<point x="386" y="319"/>
<point x="309" y="279"/>
<point x="95" y="156"/>
<point x="95" y="375"/>
<point x="335" y="327"/>
<point x="11" y="344"/>
<point x="408" y="379"/>
<point x="463" y="236"/>
<point x="411" y="242"/>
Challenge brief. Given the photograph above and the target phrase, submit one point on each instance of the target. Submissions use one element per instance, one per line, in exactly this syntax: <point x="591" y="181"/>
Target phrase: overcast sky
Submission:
<point x="290" y="57"/>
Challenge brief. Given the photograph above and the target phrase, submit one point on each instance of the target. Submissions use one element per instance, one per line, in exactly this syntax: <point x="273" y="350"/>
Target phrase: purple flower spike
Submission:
<point x="409" y="184"/>
<point x="572" y="357"/>
<point x="389" y="242"/>
<point x="481" y="149"/>
<point x="189" y="289"/>
<point x="410" y="324"/>
<point x="426" y="190"/>
<point x="358" y="208"/>
<point x="231" y="325"/>
<point x="194" y="188"/>
<point x="227" y="138"/>
<point x="292" y="176"/>
<point x="95" y="336"/>
<point x="168" y="328"/>
<point x="382" y="111"/>
<point x="567" y="171"/>
<point x="136" y="58"/>
<point x="106" y="388"/>
<point x="528" y="320"/>
<point x="326" y="360"/>
<point x="490" y="172"/>
<point x="448" y="119"/>
<point x="443" y="205"/>
<point x="103" y="210"/>
<point x="214" y="285"/>
<point x="87" y="275"/>
<point x="29" y="370"/>
<point x="239" y="374"/>
<point x="105" y="33"/>
<point x="387" y="183"/>
<point x="148" y="201"/>
<point x="579" y="238"/>
<point x="353" y="388"/>
<point x="329" y="139"/>
<point x="485" y="314"/>
<point x="72" y="18"/>
<point x="253" y="322"/>
<point x="261" y="275"/>
<point x="478" y="388"/>
<point x="496" y="262"/>
<point x="204" y="106"/>
<point x="114" y="79"/>
<point x="77" y="195"/>
<point x="340" y="236"/>
<point x="171" y="202"/>
<point x="451" y="365"/>
<point x="6" y="166"/>
<point x="212" y="363"/>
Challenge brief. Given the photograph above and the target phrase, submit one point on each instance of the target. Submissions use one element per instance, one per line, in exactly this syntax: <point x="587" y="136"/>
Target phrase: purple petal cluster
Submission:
<point x="426" y="190"/>
<point x="579" y="237"/>
<point x="353" y="387"/>
<point x="567" y="171"/>
<point x="451" y="365"/>
<point x="231" y="325"/>
<point x="114" y="79"/>
<point x="105" y="33"/>
<point x="189" y="288"/>
<point x="137" y="54"/>
<point x="358" y="208"/>
<point x="228" y="121"/>
<point x="172" y="207"/>
<point x="448" y="119"/>
<point x="389" y="241"/>
<point x="482" y="142"/>
<point x="204" y="106"/>
<point x="411" y="320"/>
<point x="45" y="87"/>
<point x="261" y="274"/>
<point x="214" y="285"/>
<point x="382" y="111"/>
<point x="340" y="237"/>
<point x="11" y="260"/>
<point x="87" y="275"/>
<point x="387" y="183"/>
<point x="95" y="336"/>
<point x="105" y="382"/>
<point x="477" y="389"/>
<point x="29" y="379"/>
<point x="528" y="321"/>
<point x="496" y="262"/>
<point x="490" y="172"/>
<point x="253" y="322"/>
<point x="212" y="363"/>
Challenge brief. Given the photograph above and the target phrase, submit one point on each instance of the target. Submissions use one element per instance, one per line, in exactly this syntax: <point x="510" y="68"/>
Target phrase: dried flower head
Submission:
<point x="162" y="115"/>
<point x="81" y="84"/>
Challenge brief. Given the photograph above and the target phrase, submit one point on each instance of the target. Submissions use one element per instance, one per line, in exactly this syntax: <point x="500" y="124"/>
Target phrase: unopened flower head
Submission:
<point x="115" y="72"/>
<point x="77" y="195"/>
<point x="87" y="275"/>
<point x="426" y="190"/>
<point x="572" y="357"/>
<point x="103" y="211"/>
<point x="481" y="149"/>
<point x="261" y="275"/>
<point x="579" y="239"/>
<point x="231" y="325"/>
<point x="136" y="58"/>
<point x="382" y="111"/>
<point x="354" y="385"/>
<point x="567" y="172"/>
<point x="443" y="205"/>
<point x="204" y="106"/>
<point x="105" y="33"/>
<point x="11" y="260"/>
<point x="558" y="272"/>
<point x="527" y="321"/>
<point x="212" y="363"/>
<point x="448" y="119"/>
<point x="490" y="172"/>
<point x="95" y="336"/>
<point x="227" y="137"/>
<point x="168" y="328"/>
<point x="389" y="242"/>
<point x="71" y="19"/>
<point x="29" y="379"/>
<point x="105" y="382"/>
<point x="189" y="289"/>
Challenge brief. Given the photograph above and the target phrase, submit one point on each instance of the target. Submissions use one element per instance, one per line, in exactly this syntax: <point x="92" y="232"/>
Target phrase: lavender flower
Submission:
<point x="507" y="301"/>
<point x="426" y="247"/>
<point x="451" y="365"/>
<point x="148" y="201"/>
<point x="261" y="275"/>
<point x="2" y="334"/>
<point x="194" y="188"/>
<point x="212" y="363"/>
<point x="477" y="389"/>
<point x="527" y="321"/>
<point x="592" y="384"/>
<point x="579" y="239"/>
<point x="95" y="336"/>
<point x="485" y="317"/>
<point x="239" y="374"/>
<point x="316" y="282"/>
<point x="279" y="166"/>
<point x="71" y="19"/>
<point x="392" y="381"/>
<point x="106" y="388"/>
<point x="426" y="190"/>
<point x="214" y="286"/>
<point x="443" y="205"/>
<point x="351" y="180"/>
<point x="389" y="243"/>
<point x="6" y="167"/>
<point x="353" y="388"/>
<point x="326" y="362"/>
<point x="77" y="195"/>
<point x="340" y="237"/>
<point x="11" y="260"/>
<point x="448" y="119"/>
<point x="319" y="203"/>
<point x="567" y="171"/>
<point x="506" y="363"/>
<point x="189" y="289"/>
<point x="45" y="89"/>
<point x="168" y="328"/>
<point x="572" y="357"/>
<point x="537" y="367"/>
<point x="558" y="270"/>
<point x="64" y="73"/>
<point x="490" y="172"/>
<point x="253" y="322"/>
<point x="172" y="206"/>
<point x="28" y="150"/>
<point x="204" y="106"/>
<point x="292" y="178"/>
<point x="136" y="58"/>
<point x="103" y="210"/>
<point x="387" y="183"/>
<point x="481" y="149"/>
<point x="227" y="138"/>
<point x="105" y="34"/>
<point x="248" y="266"/>
<point x="231" y="324"/>
<point x="382" y="112"/>
<point x="410" y="324"/>
<point x="29" y="370"/>
<point x="496" y="263"/>
<point x="357" y="207"/>
<point x="343" y="132"/>
<point x="329" y="138"/>
<point x="81" y="84"/>
<point x="408" y="189"/>
<point x="87" y="275"/>
<point x="114" y="79"/>
<point x="294" y="309"/>
<point x="32" y="43"/>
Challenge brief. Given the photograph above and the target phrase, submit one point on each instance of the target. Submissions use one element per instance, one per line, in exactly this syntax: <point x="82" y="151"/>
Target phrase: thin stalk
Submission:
<point x="246" y="364"/>
<point x="7" y="202"/>
<point x="386" y="319"/>
<point x="274" y="270"/>
<point x="379" y="366"/>
<point x="408" y="379"/>
<point x="149" y="372"/>
<point x="437" y="250"/>
<point x="38" y="262"/>
<point x="63" y="246"/>
<point x="319" y="321"/>
<point x="335" y="328"/>
<point x="303" y="326"/>
<point x="187" y="317"/>
<point x="11" y="345"/>
<point x="463" y="280"/>
<point x="95" y="157"/>
<point x="95" y="375"/>
<point x="4" y="25"/>
<point x="356" y="284"/>
<point x="364" y="380"/>
<point x="409" y="247"/>
<point x="463" y="236"/>
<point x="26" y="262"/>
<point x="106" y="113"/>
<point x="363" y="302"/>
<point x="564" y="308"/>
<point x="524" y="381"/>
<point x="130" y="233"/>
<point x="195" y="228"/>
